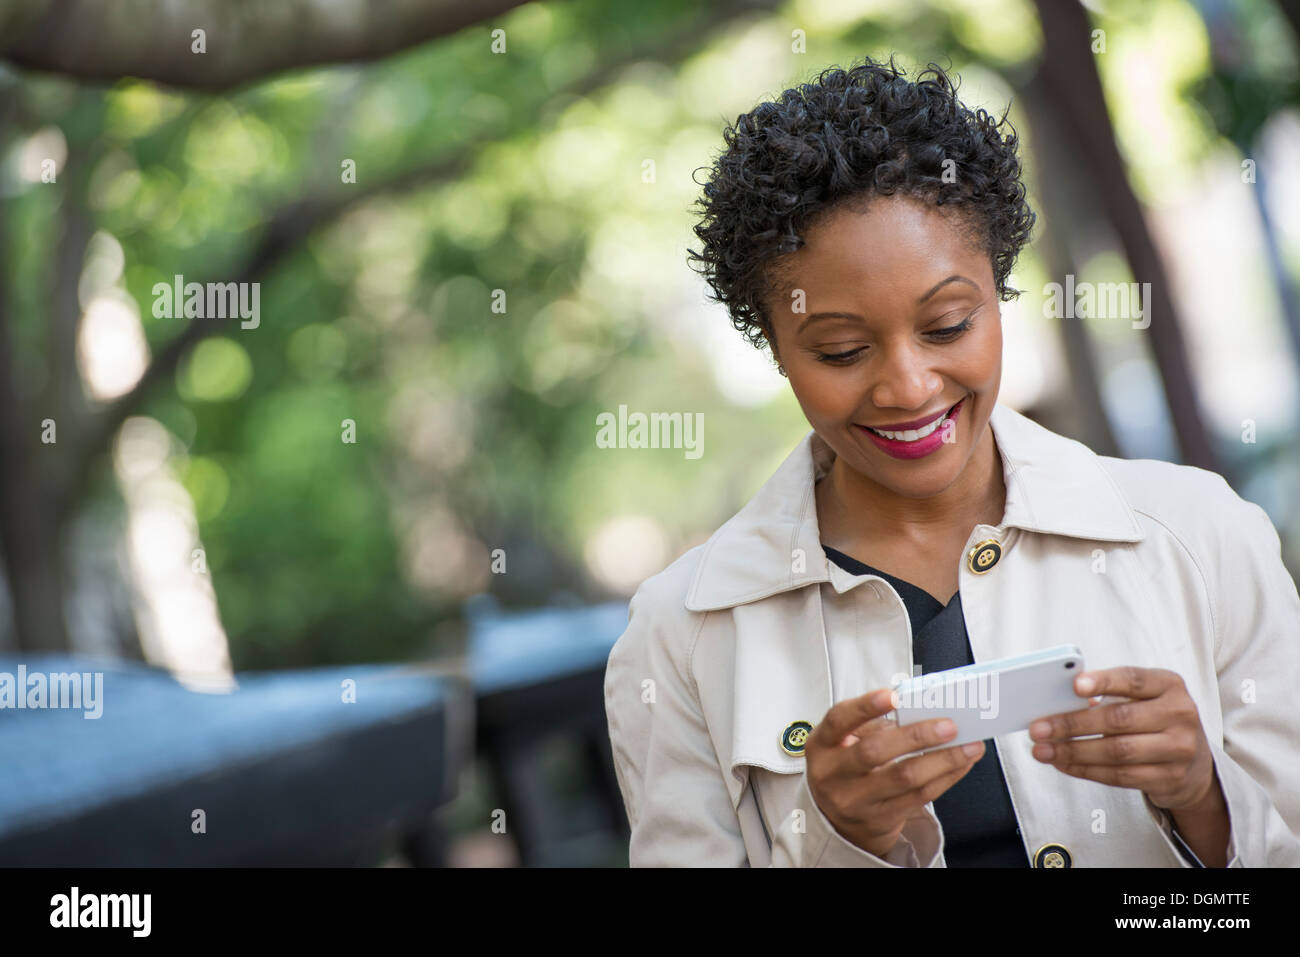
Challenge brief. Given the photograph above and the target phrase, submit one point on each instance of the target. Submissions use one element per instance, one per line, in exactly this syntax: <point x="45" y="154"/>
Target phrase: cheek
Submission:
<point x="824" y="395"/>
<point x="982" y="362"/>
<point x="992" y="354"/>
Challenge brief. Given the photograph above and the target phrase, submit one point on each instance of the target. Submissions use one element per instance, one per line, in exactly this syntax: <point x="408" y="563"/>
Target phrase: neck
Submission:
<point x="864" y="510"/>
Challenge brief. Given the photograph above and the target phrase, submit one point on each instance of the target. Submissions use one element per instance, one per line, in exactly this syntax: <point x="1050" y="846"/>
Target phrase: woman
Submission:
<point x="864" y="227"/>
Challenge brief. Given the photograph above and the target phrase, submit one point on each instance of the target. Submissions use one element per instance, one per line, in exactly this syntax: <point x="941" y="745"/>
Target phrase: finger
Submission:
<point x="850" y="714"/>
<point x="1142" y="776"/>
<point x="932" y="786"/>
<point x="1111" y="750"/>
<point x="1129" y="681"/>
<point x="1121" y="717"/>
<point x="888" y="720"/>
<point x="881" y="744"/>
<point x="910" y="803"/>
<point x="909" y="774"/>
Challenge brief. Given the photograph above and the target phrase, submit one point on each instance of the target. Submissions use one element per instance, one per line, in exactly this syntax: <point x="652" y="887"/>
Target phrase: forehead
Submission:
<point x="884" y="243"/>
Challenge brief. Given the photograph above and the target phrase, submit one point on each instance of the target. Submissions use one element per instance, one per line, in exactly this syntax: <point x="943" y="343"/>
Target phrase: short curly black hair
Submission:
<point x="834" y="142"/>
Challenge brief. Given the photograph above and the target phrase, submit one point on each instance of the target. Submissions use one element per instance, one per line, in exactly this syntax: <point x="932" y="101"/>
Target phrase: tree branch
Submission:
<point x="246" y="40"/>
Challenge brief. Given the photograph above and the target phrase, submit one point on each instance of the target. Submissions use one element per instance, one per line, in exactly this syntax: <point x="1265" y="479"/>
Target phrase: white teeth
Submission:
<point x="912" y="435"/>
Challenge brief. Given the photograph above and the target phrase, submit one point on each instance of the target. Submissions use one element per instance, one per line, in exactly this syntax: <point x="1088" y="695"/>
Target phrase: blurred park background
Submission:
<point x="468" y="222"/>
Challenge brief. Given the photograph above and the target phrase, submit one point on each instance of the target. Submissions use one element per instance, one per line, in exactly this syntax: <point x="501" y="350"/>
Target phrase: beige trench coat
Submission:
<point x="1137" y="562"/>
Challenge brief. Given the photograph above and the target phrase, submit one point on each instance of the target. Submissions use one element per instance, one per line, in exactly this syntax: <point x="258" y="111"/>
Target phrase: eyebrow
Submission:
<point x="920" y="302"/>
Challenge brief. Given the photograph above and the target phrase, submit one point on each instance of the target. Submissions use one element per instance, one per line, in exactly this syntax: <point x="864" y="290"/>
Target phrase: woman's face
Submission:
<point x="899" y="323"/>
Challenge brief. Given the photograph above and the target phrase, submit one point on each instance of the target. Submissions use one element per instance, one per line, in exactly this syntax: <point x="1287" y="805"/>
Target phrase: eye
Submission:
<point x="839" y="358"/>
<point x="952" y="332"/>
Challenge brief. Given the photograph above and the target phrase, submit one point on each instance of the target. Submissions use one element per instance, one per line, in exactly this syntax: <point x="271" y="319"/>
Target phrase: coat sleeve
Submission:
<point x="1256" y="615"/>
<point x="919" y="845"/>
<point x="678" y="805"/>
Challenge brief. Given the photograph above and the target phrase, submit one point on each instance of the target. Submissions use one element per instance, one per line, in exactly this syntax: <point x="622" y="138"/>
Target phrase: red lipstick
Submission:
<point x="901" y="449"/>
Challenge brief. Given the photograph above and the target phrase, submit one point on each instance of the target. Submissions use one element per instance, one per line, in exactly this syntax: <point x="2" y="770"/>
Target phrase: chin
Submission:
<point x="921" y="487"/>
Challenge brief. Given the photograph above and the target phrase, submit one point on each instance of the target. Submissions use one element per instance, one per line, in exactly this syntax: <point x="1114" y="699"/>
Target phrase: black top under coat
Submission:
<point x="978" y="819"/>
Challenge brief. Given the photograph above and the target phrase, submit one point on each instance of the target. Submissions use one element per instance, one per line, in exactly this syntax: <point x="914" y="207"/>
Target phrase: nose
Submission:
<point x="905" y="380"/>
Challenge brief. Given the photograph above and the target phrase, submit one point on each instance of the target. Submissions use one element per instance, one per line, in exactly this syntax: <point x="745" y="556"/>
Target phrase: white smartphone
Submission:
<point x="994" y="697"/>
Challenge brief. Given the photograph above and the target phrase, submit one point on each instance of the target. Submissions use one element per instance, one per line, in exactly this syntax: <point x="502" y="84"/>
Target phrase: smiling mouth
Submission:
<point x="915" y="435"/>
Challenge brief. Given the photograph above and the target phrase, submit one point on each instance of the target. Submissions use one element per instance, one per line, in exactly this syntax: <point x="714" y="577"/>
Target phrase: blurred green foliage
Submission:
<point x="474" y="427"/>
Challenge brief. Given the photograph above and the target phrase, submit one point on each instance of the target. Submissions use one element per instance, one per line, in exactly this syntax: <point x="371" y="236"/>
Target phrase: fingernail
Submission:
<point x="1040" y="729"/>
<point x="972" y="749"/>
<point x="1085" y="684"/>
<point x="946" y="728"/>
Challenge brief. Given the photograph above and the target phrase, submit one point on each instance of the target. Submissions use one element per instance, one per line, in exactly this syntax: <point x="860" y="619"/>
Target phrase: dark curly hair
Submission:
<point x="835" y="142"/>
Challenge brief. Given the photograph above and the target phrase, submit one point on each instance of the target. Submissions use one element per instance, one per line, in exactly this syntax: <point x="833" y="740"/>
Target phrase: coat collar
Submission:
<point x="1055" y="486"/>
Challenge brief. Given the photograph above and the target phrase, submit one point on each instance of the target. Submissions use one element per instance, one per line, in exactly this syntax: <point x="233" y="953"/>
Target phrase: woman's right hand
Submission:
<point x="856" y="781"/>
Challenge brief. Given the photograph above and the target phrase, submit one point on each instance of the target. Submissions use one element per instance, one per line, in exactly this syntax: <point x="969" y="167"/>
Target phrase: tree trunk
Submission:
<point x="31" y="540"/>
<point x="1070" y="80"/>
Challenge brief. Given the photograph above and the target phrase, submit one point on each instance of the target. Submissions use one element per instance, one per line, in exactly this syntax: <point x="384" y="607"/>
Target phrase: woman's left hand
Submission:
<point x="1154" y="742"/>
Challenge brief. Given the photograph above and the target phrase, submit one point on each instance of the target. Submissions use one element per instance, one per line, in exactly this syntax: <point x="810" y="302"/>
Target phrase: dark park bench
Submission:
<point x="539" y="679"/>
<point x="284" y="771"/>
